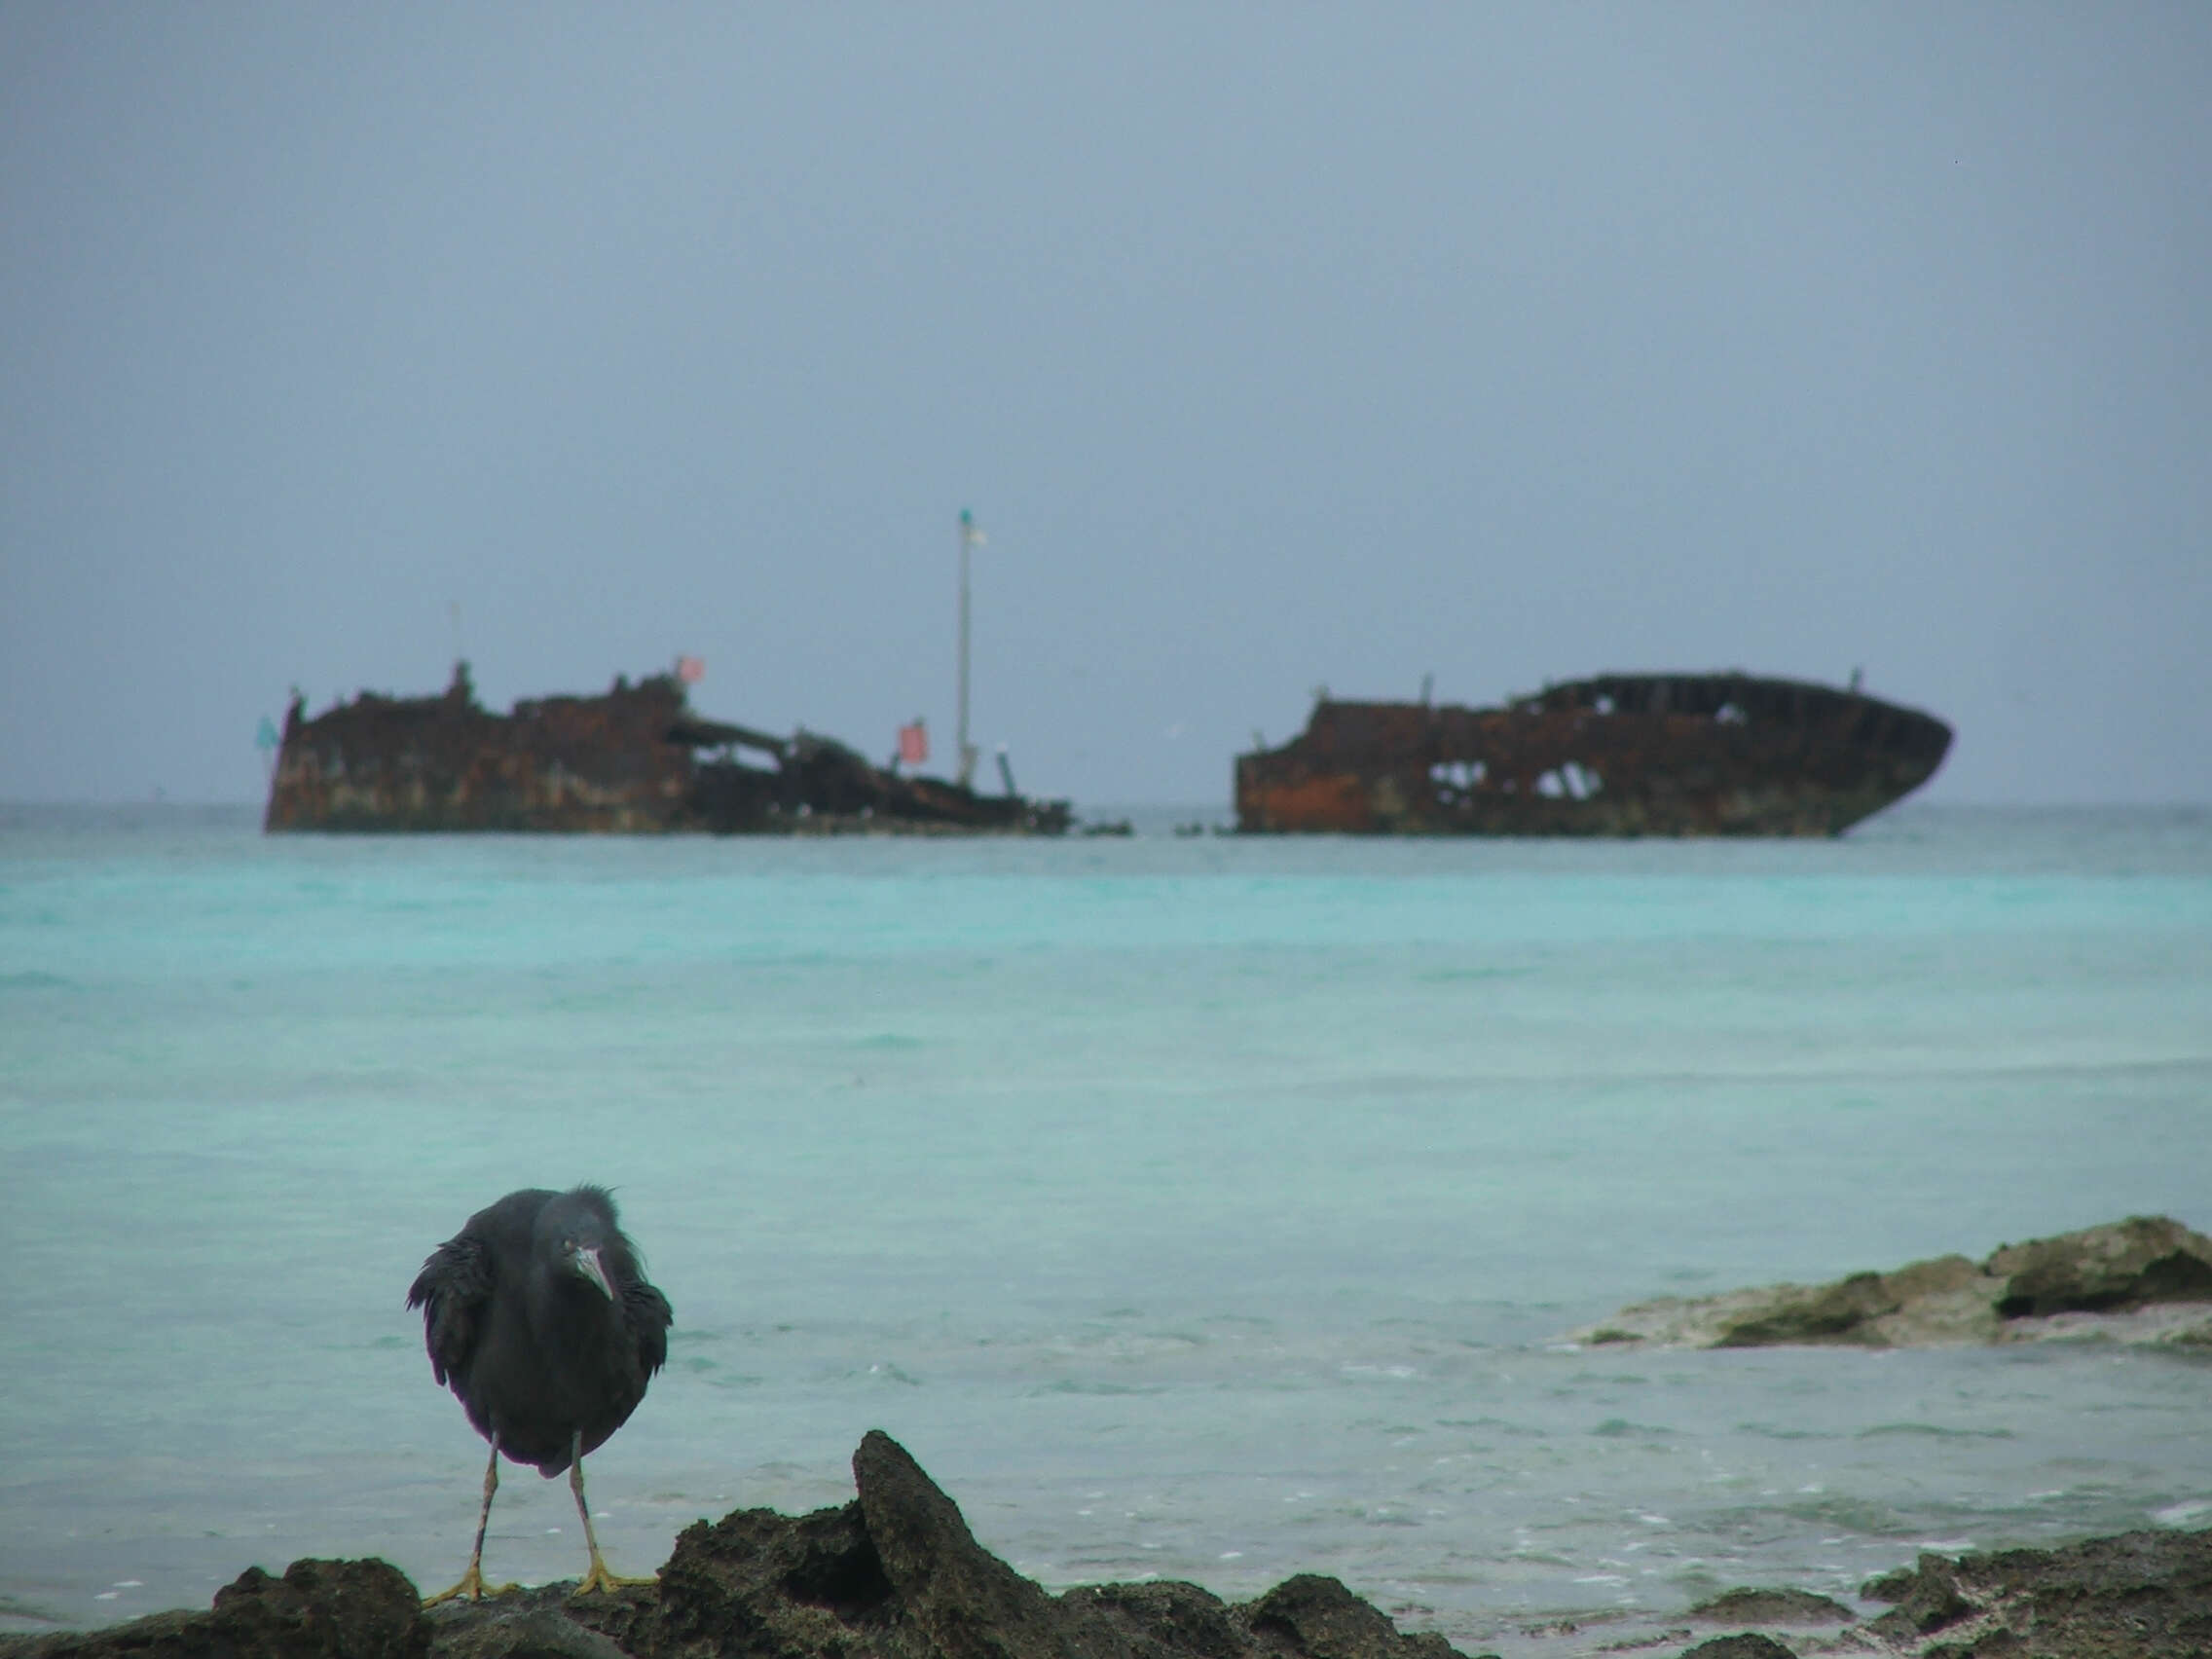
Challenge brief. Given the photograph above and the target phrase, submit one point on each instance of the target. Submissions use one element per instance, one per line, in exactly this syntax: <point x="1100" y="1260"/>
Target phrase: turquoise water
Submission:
<point x="1205" y="1209"/>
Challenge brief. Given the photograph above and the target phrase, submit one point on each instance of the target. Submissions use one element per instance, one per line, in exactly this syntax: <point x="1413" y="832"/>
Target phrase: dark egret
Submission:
<point x="538" y="1315"/>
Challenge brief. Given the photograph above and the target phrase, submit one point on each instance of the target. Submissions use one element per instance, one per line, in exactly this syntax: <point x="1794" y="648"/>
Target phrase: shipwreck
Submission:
<point x="635" y="761"/>
<point x="1722" y="753"/>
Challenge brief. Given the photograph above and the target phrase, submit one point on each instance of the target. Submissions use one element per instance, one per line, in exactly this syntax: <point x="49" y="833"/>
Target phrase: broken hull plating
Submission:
<point x="1618" y="755"/>
<point x="633" y="762"/>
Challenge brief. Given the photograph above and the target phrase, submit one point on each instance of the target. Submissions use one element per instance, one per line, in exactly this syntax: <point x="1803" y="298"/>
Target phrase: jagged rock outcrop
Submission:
<point x="1750" y="1646"/>
<point x="2137" y="1596"/>
<point x="319" y="1609"/>
<point x="2146" y="1280"/>
<point x="894" y="1574"/>
<point x="1772" y="1608"/>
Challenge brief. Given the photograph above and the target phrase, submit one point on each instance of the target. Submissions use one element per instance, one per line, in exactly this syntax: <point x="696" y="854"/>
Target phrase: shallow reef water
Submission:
<point x="1205" y="1209"/>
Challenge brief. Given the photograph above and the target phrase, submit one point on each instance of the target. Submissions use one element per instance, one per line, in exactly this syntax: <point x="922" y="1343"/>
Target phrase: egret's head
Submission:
<point x="574" y="1232"/>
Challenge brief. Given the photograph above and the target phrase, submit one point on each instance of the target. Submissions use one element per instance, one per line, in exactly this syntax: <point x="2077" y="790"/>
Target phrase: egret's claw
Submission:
<point x="599" y="1579"/>
<point x="472" y="1586"/>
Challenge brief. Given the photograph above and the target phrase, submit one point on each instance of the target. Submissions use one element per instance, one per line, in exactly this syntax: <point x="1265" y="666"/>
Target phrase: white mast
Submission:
<point x="969" y="537"/>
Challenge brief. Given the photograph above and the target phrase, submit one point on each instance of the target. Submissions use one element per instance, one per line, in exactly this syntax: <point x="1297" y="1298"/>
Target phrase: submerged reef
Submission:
<point x="2144" y="1280"/>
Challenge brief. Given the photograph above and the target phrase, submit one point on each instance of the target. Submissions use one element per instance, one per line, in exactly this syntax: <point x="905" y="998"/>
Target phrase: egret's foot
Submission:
<point x="599" y="1578"/>
<point x="472" y="1586"/>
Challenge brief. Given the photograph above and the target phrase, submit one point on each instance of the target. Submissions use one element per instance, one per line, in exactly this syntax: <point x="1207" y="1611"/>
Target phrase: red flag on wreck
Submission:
<point x="913" y="744"/>
<point x="690" y="669"/>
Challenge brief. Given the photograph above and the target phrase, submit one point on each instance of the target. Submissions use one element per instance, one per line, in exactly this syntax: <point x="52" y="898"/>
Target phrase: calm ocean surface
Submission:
<point x="1201" y="1209"/>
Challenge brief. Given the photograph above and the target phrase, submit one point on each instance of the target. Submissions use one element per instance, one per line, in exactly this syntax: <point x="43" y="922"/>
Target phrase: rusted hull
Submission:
<point x="633" y="762"/>
<point x="818" y="787"/>
<point x="1618" y="755"/>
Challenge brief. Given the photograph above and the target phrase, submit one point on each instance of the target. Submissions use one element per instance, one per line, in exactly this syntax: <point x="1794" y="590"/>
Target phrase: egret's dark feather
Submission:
<point x="537" y="1354"/>
<point x="649" y="1316"/>
<point x="451" y="1289"/>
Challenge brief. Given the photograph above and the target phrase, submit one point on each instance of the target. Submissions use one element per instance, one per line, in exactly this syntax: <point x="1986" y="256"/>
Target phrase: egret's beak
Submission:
<point x="584" y="1262"/>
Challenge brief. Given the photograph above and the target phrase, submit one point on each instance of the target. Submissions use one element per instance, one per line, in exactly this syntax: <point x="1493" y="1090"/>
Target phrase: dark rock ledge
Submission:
<point x="895" y="1574"/>
<point x="2145" y="1280"/>
<point x="2137" y="1596"/>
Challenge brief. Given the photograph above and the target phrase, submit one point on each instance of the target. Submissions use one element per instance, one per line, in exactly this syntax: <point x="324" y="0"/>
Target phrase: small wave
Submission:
<point x="1525" y="1431"/>
<point x="1936" y="1431"/>
<point x="2183" y="1514"/>
<point x="1071" y="1385"/>
<point x="1537" y="1557"/>
<point x="31" y="979"/>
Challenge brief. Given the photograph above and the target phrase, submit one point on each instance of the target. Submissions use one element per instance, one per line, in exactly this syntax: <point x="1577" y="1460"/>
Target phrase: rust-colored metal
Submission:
<point x="1722" y="754"/>
<point x="634" y="760"/>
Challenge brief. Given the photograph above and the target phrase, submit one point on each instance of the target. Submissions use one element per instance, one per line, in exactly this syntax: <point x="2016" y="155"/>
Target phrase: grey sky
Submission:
<point x="1272" y="346"/>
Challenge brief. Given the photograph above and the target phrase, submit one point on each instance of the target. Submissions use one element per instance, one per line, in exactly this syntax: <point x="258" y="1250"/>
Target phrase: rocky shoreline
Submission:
<point x="896" y="1575"/>
<point x="2146" y="1280"/>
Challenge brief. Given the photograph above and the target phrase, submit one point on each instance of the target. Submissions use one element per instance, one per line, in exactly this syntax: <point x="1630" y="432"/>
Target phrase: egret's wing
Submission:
<point x="453" y="1290"/>
<point x="649" y="1315"/>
